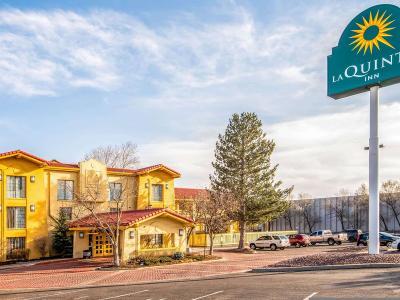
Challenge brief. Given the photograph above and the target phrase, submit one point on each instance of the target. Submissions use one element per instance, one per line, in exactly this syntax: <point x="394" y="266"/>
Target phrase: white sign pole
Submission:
<point x="373" y="243"/>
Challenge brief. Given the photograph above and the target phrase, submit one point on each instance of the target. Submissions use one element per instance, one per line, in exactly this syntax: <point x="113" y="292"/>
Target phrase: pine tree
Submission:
<point x="242" y="168"/>
<point x="61" y="240"/>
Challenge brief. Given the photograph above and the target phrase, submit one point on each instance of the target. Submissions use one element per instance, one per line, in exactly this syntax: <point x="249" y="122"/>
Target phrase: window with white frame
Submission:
<point x="16" y="217"/>
<point x="16" y="186"/>
<point x="115" y="191"/>
<point x="15" y="243"/>
<point x="65" y="189"/>
<point x="157" y="192"/>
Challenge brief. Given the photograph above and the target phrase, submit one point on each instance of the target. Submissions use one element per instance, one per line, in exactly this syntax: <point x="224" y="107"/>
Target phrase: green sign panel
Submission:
<point x="368" y="53"/>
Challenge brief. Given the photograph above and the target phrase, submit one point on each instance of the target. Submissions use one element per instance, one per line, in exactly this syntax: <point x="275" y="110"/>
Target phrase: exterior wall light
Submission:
<point x="32" y="207"/>
<point x="166" y="186"/>
<point x="181" y="231"/>
<point x="81" y="235"/>
<point x="146" y="185"/>
<point x="32" y="178"/>
<point x="1" y="177"/>
<point x="131" y="235"/>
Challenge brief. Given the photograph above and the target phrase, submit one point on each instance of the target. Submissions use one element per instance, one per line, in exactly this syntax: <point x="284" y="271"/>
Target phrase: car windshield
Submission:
<point x="283" y="237"/>
<point x="388" y="235"/>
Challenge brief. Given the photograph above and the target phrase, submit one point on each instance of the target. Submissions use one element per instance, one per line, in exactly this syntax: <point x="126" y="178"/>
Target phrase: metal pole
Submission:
<point x="373" y="243"/>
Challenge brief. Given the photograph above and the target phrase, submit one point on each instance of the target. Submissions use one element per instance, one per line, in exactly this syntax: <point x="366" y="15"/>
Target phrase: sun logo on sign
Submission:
<point x="372" y="33"/>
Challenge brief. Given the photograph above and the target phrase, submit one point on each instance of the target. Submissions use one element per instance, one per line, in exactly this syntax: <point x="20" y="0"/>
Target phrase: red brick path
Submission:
<point x="73" y="272"/>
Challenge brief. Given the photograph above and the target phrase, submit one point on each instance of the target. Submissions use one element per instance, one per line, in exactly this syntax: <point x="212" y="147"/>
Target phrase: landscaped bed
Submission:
<point x="345" y="256"/>
<point x="147" y="261"/>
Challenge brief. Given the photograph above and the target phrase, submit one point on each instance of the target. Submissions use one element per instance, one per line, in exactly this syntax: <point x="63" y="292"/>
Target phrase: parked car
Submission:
<point x="326" y="236"/>
<point x="270" y="241"/>
<point x="353" y="234"/>
<point x="396" y="244"/>
<point x="299" y="240"/>
<point x="385" y="239"/>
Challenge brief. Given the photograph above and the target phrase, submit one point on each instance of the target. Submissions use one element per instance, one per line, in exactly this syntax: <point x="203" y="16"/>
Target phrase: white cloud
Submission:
<point x="318" y="155"/>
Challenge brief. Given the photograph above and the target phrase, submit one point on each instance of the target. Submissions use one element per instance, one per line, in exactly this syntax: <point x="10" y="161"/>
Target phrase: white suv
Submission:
<point x="270" y="241"/>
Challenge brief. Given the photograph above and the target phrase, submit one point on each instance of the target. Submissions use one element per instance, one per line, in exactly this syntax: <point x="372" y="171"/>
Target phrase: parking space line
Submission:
<point x="208" y="295"/>
<point x="52" y="295"/>
<point x="310" y="296"/>
<point x="124" y="295"/>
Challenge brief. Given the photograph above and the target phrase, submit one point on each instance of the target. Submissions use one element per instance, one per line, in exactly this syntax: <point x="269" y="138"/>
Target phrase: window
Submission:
<point x="115" y="191"/>
<point x="157" y="192"/>
<point x="15" y="243"/>
<point x="16" y="217"/>
<point x="65" y="189"/>
<point x="67" y="212"/>
<point x="16" y="187"/>
<point x="152" y="241"/>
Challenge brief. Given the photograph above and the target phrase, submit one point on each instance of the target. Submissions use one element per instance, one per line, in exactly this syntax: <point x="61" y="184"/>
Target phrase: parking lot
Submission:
<point x="80" y="273"/>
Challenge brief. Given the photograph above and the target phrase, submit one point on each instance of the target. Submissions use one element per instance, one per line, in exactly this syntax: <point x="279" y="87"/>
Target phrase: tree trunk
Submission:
<point x="384" y="223"/>
<point x="117" y="261"/>
<point x="242" y="231"/>
<point x="211" y="244"/>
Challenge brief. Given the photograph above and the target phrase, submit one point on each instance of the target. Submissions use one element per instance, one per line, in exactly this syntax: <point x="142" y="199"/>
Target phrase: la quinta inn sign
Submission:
<point x="367" y="58"/>
<point x="368" y="53"/>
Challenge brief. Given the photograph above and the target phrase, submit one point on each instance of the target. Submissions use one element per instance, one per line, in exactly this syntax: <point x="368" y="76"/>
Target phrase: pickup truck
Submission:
<point x="326" y="236"/>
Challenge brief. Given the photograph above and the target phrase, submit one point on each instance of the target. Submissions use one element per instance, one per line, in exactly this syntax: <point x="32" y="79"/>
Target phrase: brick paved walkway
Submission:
<point x="74" y="272"/>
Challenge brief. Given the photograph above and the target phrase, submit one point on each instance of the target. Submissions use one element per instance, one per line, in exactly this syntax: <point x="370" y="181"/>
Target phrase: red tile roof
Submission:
<point x="188" y="193"/>
<point x="128" y="217"/>
<point x="56" y="163"/>
<point x="23" y="153"/>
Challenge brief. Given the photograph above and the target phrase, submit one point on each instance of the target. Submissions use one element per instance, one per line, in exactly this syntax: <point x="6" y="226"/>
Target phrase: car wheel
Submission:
<point x="273" y="247"/>
<point x="282" y="248"/>
<point x="253" y="247"/>
<point x="331" y="242"/>
<point x="339" y="242"/>
<point x="313" y="244"/>
<point x="297" y="245"/>
<point x="398" y="246"/>
<point x="389" y="244"/>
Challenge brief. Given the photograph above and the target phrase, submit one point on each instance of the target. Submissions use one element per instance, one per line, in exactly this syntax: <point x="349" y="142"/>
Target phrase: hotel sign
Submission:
<point x="368" y="53"/>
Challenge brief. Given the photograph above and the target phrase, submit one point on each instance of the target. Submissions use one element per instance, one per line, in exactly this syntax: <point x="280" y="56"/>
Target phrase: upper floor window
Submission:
<point x="16" y="186"/>
<point x="65" y="189"/>
<point x="67" y="212"/>
<point x="115" y="191"/>
<point x="16" y="217"/>
<point x="157" y="192"/>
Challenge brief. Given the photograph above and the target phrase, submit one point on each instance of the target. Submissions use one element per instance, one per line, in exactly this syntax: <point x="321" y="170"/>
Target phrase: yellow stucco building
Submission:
<point x="34" y="190"/>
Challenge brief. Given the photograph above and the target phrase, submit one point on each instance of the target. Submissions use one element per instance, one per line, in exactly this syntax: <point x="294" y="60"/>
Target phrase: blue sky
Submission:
<point x="168" y="74"/>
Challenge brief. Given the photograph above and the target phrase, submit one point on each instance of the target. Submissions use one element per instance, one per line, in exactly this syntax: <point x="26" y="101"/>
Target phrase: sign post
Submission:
<point x="373" y="243"/>
<point x="367" y="58"/>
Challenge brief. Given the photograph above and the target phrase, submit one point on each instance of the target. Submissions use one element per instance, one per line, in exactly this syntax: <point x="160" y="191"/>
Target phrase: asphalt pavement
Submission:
<point x="350" y="284"/>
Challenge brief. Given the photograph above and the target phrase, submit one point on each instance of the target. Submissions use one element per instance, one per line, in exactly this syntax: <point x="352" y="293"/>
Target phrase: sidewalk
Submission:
<point x="79" y="273"/>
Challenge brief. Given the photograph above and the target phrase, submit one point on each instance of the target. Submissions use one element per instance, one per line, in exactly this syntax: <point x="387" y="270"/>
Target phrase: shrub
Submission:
<point x="178" y="255"/>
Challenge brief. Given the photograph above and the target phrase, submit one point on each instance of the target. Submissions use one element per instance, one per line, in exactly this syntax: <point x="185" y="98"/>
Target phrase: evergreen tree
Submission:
<point x="61" y="240"/>
<point x="242" y="168"/>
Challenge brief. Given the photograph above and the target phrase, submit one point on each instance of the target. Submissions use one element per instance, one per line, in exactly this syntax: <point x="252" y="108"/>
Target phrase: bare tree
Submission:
<point x="360" y="201"/>
<point x="305" y="206"/>
<point x="89" y="201"/>
<point x="41" y="245"/>
<point x="213" y="213"/>
<point x="390" y="196"/>
<point x="289" y="214"/>
<point x="189" y="208"/>
<point x="116" y="156"/>
<point x="341" y="208"/>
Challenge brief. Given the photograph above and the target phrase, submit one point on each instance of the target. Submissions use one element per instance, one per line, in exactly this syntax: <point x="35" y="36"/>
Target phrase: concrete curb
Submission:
<point x="325" y="268"/>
